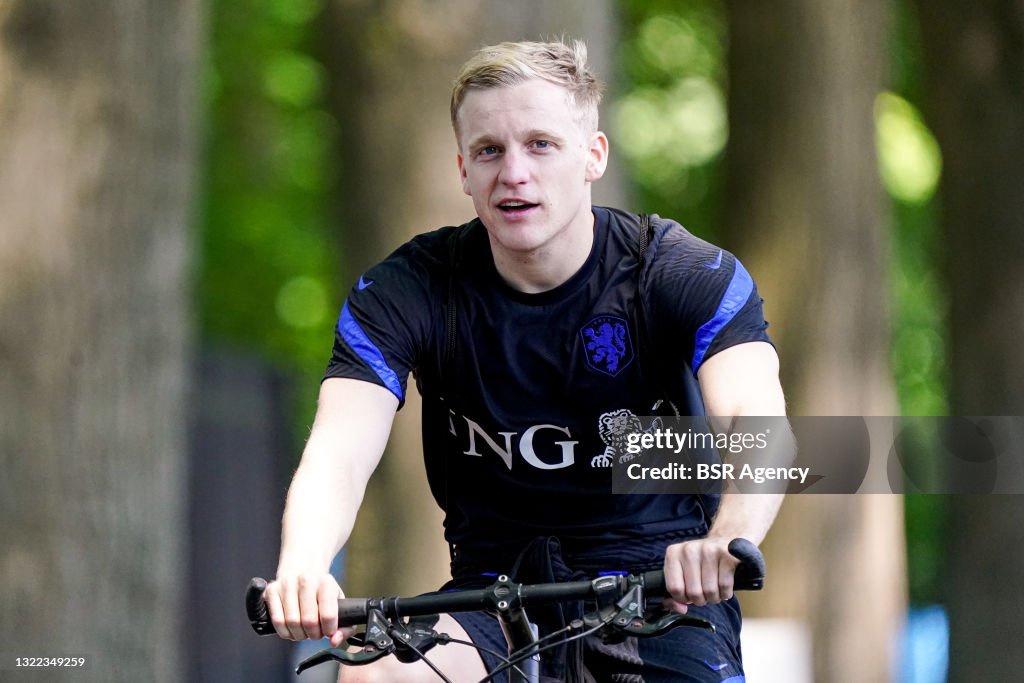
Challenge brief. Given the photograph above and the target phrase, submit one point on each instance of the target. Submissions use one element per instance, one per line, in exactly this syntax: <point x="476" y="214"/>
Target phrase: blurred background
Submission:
<point x="189" y="188"/>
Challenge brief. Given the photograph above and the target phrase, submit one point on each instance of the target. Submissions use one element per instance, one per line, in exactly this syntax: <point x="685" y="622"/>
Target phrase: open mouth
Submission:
<point x="513" y="207"/>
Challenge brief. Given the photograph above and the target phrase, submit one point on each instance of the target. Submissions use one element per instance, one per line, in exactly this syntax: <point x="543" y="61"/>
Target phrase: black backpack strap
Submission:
<point x="645" y="235"/>
<point x="447" y="369"/>
<point x="643" y="241"/>
<point x="451" y="311"/>
<point x="450" y="322"/>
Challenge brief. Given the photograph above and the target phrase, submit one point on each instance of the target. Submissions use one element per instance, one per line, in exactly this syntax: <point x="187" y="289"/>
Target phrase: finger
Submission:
<point x="272" y="599"/>
<point x="726" y="577"/>
<point x="670" y="605"/>
<point x="691" y="564"/>
<point x="292" y="614"/>
<point x="709" y="575"/>
<point x="327" y="596"/>
<point x="339" y="636"/>
<point x="309" y="608"/>
<point x="675" y="586"/>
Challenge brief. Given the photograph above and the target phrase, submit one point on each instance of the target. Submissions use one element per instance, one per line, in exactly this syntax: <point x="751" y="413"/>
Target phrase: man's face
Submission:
<point x="528" y="163"/>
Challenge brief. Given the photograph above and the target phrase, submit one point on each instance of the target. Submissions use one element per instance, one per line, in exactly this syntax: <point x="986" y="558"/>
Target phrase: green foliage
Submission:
<point x="926" y="524"/>
<point x="670" y="123"/>
<point x="268" y="268"/>
<point x="919" y="344"/>
<point x="919" y="359"/>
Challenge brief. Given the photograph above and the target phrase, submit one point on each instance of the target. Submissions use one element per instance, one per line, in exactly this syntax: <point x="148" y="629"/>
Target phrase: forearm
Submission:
<point x="745" y="515"/>
<point x="742" y="394"/>
<point x="347" y="440"/>
<point x="319" y="514"/>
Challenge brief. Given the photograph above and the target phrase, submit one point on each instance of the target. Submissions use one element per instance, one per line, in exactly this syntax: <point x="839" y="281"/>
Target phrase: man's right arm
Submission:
<point x="353" y="421"/>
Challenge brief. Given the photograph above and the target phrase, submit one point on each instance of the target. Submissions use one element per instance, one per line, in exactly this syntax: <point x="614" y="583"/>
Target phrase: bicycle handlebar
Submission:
<point x="749" y="575"/>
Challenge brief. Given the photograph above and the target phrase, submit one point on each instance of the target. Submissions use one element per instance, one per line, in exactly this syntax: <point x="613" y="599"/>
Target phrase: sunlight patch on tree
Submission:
<point x="909" y="158"/>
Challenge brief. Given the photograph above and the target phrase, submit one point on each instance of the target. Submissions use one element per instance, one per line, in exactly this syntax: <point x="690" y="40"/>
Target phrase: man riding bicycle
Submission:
<point x="537" y="334"/>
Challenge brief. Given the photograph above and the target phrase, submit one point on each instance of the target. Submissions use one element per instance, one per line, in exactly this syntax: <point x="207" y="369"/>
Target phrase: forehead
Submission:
<point x="529" y="105"/>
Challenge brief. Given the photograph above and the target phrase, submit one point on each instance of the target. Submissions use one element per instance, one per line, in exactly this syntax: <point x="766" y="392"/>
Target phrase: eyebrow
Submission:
<point x="487" y="140"/>
<point x="482" y="141"/>
<point x="541" y="133"/>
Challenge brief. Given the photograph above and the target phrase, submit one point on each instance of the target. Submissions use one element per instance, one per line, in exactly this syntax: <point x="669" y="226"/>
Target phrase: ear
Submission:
<point x="462" y="174"/>
<point x="597" y="159"/>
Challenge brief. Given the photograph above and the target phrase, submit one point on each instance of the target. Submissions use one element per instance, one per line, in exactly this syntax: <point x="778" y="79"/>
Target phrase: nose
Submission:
<point x="514" y="168"/>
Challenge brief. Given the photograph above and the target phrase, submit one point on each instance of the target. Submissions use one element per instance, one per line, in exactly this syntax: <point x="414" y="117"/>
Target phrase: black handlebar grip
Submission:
<point x="654" y="582"/>
<point x="751" y="569"/>
<point x="256" y="609"/>
<point x="353" y="611"/>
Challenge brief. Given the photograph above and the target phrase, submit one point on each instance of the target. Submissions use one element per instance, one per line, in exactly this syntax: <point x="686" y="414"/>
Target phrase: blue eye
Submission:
<point x="488" y="151"/>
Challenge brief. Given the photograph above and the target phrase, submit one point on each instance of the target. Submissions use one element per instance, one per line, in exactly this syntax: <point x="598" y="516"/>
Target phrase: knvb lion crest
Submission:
<point x="608" y="346"/>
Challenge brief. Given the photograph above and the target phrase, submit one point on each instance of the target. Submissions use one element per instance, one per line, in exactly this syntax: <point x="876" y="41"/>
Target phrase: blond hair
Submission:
<point x="508" y="64"/>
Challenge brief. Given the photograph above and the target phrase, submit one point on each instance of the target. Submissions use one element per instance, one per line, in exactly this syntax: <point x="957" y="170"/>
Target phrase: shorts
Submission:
<point x="683" y="654"/>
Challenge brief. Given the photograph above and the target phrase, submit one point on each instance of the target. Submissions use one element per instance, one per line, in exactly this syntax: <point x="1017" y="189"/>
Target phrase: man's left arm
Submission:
<point x="742" y="380"/>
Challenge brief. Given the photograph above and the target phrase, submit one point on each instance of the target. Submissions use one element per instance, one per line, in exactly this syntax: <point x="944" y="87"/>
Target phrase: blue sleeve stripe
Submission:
<point x="356" y="338"/>
<point x="736" y="294"/>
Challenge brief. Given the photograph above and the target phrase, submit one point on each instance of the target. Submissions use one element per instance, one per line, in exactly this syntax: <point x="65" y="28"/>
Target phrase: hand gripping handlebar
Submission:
<point x="749" y="575"/>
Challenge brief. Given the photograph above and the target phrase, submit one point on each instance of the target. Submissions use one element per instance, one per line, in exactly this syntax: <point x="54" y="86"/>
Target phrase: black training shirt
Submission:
<point x="522" y="430"/>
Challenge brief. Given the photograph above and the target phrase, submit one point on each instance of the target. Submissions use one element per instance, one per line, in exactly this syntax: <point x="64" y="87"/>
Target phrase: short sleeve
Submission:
<point x="385" y="324"/>
<point x="701" y="297"/>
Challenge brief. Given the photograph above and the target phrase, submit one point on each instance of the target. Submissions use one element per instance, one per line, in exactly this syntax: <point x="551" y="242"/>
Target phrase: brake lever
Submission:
<point x="336" y="654"/>
<point x="376" y="644"/>
<point x="649" y="628"/>
<point x="630" y="620"/>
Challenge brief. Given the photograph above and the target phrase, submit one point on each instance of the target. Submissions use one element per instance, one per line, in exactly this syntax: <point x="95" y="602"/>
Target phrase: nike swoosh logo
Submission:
<point x="716" y="667"/>
<point x="363" y="284"/>
<point x="717" y="264"/>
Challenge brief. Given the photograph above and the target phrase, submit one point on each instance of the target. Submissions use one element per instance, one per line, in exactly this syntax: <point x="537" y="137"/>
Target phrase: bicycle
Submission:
<point x="396" y="625"/>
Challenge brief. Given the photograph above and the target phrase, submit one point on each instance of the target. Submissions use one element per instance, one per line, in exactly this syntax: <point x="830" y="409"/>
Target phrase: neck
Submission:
<point x="551" y="264"/>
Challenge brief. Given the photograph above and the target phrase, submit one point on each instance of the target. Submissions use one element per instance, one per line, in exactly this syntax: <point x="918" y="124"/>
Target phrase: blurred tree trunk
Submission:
<point x="392" y="65"/>
<point x="805" y="203"/>
<point x="97" y="152"/>
<point x="974" y="69"/>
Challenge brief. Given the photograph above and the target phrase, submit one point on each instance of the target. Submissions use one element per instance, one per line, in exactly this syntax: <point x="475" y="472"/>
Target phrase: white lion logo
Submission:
<point x="614" y="429"/>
